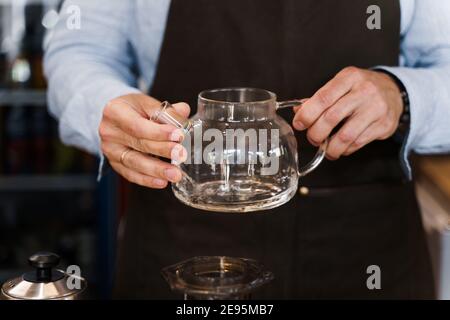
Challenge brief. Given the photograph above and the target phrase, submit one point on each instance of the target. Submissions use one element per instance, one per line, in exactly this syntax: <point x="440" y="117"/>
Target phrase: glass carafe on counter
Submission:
<point x="216" y="278"/>
<point x="242" y="156"/>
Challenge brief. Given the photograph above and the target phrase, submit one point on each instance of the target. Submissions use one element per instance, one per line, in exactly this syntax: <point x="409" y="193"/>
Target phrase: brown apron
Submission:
<point x="360" y="211"/>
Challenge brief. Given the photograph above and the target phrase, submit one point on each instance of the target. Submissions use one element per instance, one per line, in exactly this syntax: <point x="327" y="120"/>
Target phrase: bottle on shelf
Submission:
<point x="40" y="140"/>
<point x="27" y="128"/>
<point x="17" y="144"/>
<point x="3" y="69"/>
<point x="26" y="70"/>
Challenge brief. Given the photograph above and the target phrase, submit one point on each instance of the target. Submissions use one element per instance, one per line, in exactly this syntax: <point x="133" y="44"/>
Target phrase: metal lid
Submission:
<point x="44" y="283"/>
<point x="216" y="277"/>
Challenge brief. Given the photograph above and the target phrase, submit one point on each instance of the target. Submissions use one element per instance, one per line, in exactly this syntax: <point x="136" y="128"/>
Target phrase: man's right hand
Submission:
<point x="132" y="142"/>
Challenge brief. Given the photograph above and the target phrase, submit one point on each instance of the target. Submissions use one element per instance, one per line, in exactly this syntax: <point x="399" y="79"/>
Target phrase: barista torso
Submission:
<point x="358" y="213"/>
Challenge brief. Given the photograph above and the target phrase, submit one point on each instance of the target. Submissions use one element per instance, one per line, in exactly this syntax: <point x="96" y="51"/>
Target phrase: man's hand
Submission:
<point x="131" y="141"/>
<point x="368" y="103"/>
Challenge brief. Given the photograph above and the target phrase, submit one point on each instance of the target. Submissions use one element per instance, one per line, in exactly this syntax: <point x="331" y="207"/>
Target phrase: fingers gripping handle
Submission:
<point x="166" y="114"/>
<point x="321" y="152"/>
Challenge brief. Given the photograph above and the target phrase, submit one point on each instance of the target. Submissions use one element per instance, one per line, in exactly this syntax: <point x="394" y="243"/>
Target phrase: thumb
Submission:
<point x="298" y="107"/>
<point x="182" y="109"/>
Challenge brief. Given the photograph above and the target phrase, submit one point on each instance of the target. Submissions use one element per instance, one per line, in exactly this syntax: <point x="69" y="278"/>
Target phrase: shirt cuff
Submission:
<point x="413" y="80"/>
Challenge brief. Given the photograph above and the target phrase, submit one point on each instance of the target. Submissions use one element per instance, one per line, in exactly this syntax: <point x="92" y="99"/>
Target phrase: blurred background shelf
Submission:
<point x="23" y="98"/>
<point x="49" y="197"/>
<point x="8" y="2"/>
<point x="47" y="183"/>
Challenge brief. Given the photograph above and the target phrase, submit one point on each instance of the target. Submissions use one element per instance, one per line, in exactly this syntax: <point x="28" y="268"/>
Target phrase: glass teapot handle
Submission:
<point x="321" y="152"/>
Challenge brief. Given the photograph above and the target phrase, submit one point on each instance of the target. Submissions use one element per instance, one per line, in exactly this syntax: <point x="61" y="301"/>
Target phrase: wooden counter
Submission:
<point x="433" y="192"/>
<point x="433" y="172"/>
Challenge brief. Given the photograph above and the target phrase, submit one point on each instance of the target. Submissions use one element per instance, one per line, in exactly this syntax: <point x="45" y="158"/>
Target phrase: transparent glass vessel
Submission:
<point x="242" y="156"/>
<point x="216" y="278"/>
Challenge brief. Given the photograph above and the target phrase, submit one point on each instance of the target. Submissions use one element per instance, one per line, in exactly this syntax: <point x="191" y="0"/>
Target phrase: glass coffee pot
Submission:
<point x="242" y="156"/>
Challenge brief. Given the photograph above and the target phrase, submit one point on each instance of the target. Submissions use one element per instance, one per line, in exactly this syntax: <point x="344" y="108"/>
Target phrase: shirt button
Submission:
<point x="303" y="191"/>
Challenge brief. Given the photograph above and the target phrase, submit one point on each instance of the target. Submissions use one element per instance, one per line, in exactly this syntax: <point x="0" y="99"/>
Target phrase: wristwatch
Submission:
<point x="405" y="118"/>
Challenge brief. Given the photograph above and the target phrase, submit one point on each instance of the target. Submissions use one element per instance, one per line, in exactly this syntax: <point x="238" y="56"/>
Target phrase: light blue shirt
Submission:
<point x="89" y="66"/>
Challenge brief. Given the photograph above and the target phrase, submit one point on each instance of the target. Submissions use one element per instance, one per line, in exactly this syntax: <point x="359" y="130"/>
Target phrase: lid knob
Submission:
<point x="44" y="262"/>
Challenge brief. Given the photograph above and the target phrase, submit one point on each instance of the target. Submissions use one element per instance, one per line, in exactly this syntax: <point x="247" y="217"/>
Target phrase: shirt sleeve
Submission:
<point x="425" y="73"/>
<point x="87" y="65"/>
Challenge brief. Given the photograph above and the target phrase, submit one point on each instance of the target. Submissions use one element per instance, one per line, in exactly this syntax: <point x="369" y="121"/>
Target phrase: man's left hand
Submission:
<point x="368" y="103"/>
